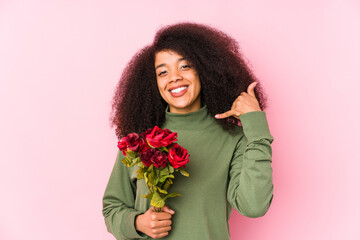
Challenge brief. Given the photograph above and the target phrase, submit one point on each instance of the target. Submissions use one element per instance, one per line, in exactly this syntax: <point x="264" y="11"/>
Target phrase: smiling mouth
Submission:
<point x="179" y="89"/>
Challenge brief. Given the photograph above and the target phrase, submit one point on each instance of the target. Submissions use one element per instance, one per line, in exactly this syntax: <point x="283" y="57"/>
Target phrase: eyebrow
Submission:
<point x="163" y="64"/>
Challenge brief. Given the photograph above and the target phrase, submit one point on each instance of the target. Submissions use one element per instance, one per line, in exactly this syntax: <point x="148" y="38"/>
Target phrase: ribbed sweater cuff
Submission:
<point x="128" y="226"/>
<point x="255" y="125"/>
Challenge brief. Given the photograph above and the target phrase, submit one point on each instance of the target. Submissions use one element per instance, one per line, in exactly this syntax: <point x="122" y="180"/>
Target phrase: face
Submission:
<point x="178" y="82"/>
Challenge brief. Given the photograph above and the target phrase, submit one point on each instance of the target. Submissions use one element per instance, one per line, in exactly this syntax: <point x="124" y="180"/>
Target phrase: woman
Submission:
<point x="193" y="81"/>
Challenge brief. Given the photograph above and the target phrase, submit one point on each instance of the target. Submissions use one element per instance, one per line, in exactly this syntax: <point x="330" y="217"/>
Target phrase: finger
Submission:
<point x="161" y="230"/>
<point x="161" y="235"/>
<point x="225" y="114"/>
<point x="161" y="216"/>
<point x="167" y="209"/>
<point x="251" y="88"/>
<point x="161" y="224"/>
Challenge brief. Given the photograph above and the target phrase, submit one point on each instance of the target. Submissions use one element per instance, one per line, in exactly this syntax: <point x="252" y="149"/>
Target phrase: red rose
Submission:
<point x="152" y="155"/>
<point x="159" y="159"/>
<point x="145" y="147"/>
<point x="160" y="137"/>
<point x="146" y="156"/>
<point x="133" y="143"/>
<point x="146" y="132"/>
<point x="122" y="145"/>
<point x="178" y="156"/>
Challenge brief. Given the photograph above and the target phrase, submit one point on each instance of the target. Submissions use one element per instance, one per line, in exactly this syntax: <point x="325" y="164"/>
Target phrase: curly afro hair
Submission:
<point x="137" y="104"/>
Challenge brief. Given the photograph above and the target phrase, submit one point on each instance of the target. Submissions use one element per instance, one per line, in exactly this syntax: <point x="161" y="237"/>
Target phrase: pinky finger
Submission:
<point x="160" y="235"/>
<point x="225" y="114"/>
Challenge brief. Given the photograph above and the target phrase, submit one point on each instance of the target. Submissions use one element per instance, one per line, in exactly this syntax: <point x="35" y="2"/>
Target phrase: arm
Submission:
<point x="118" y="203"/>
<point x="250" y="189"/>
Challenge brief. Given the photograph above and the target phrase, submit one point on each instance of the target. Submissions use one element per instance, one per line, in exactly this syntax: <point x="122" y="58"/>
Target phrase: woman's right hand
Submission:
<point x="155" y="224"/>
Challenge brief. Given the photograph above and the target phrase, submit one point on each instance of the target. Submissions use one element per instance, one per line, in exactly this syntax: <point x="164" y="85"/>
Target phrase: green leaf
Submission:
<point x="136" y="160"/>
<point x="127" y="161"/>
<point x="164" y="171"/>
<point x="140" y="176"/>
<point x="183" y="172"/>
<point x="157" y="172"/>
<point x="171" y="195"/>
<point x="132" y="154"/>
<point x="171" y="169"/>
<point x="167" y="184"/>
<point x="141" y="170"/>
<point x="153" y="178"/>
<point x="149" y="144"/>
<point x="163" y="149"/>
<point x="148" y="196"/>
<point x="163" y="178"/>
<point x="140" y="164"/>
<point x="151" y="167"/>
<point x="160" y="190"/>
<point x="157" y="201"/>
<point x="141" y="173"/>
<point x="146" y="178"/>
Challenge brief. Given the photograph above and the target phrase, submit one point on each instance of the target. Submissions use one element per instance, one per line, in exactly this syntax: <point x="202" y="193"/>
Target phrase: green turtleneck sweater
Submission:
<point x="226" y="170"/>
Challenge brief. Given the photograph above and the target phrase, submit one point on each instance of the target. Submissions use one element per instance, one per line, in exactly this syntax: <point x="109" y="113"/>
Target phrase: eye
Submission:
<point x="185" y="66"/>
<point x="161" y="73"/>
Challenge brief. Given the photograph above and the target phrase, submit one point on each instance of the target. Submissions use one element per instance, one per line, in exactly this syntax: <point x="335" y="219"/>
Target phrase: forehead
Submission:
<point x="167" y="57"/>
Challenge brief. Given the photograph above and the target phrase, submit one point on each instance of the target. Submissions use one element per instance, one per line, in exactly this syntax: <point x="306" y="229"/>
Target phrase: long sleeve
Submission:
<point x="118" y="203"/>
<point x="250" y="189"/>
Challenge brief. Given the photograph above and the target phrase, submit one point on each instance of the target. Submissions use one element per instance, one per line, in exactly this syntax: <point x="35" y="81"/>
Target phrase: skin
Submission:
<point x="155" y="224"/>
<point x="173" y="70"/>
<point x="244" y="103"/>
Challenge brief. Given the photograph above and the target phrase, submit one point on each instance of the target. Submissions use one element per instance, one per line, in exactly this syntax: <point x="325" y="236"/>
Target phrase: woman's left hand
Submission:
<point x="244" y="103"/>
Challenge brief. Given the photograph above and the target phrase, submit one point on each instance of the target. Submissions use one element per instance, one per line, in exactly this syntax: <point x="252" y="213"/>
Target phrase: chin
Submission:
<point x="180" y="105"/>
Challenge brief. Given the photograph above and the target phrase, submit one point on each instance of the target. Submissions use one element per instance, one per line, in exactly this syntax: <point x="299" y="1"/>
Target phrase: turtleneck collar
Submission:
<point x="188" y="121"/>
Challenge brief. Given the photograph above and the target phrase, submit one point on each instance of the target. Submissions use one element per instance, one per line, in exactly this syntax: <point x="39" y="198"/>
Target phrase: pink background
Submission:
<point x="59" y="64"/>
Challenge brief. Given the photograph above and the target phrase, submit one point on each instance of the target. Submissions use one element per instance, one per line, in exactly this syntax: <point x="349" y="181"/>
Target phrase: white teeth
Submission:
<point x="176" y="90"/>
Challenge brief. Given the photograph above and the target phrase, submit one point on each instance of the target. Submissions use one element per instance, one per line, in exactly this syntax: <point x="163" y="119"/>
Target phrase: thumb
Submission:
<point x="250" y="89"/>
<point x="167" y="209"/>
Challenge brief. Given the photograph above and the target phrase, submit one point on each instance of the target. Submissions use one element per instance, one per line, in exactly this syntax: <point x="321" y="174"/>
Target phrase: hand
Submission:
<point x="155" y="224"/>
<point x="244" y="103"/>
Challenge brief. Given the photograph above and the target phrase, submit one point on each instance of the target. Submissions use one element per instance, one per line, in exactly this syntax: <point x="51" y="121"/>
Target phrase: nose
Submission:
<point x="175" y="75"/>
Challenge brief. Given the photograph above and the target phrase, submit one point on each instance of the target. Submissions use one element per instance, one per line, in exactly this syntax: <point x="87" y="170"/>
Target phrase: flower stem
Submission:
<point x="157" y="209"/>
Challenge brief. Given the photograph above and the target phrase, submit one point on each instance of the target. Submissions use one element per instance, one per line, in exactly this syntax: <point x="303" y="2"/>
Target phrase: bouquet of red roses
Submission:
<point x="158" y="157"/>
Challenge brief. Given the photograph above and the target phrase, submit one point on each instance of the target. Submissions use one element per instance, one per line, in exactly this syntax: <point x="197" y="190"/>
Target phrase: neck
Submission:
<point x="187" y="121"/>
<point x="192" y="108"/>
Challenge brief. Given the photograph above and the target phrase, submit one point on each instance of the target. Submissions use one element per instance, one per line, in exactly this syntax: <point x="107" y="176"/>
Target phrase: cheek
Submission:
<point x="198" y="86"/>
<point x="198" y="92"/>
<point x="160" y="85"/>
<point x="196" y="80"/>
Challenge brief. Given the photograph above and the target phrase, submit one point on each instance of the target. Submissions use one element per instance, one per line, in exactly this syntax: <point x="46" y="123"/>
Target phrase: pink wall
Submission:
<point x="59" y="64"/>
